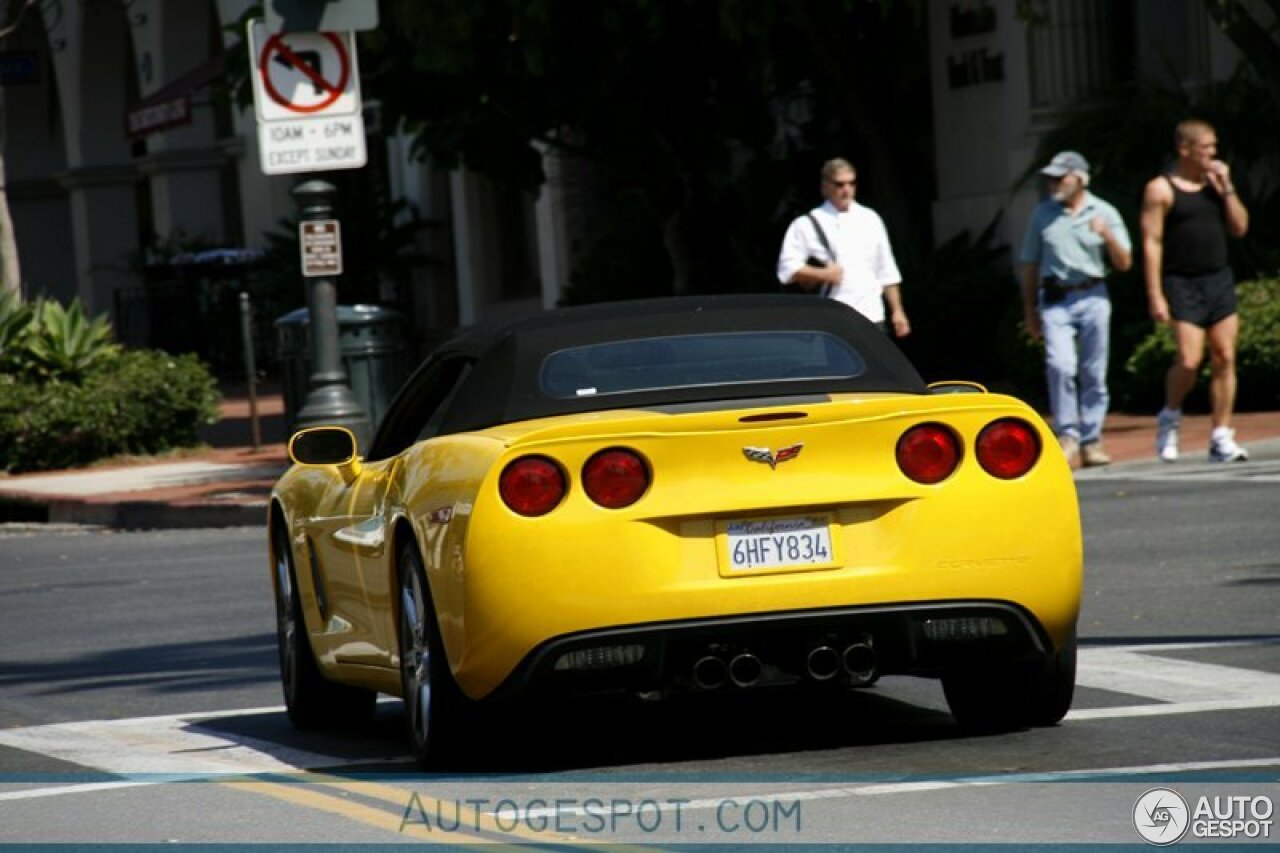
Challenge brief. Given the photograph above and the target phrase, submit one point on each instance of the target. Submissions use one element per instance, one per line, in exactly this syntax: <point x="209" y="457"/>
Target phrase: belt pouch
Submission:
<point x="1053" y="291"/>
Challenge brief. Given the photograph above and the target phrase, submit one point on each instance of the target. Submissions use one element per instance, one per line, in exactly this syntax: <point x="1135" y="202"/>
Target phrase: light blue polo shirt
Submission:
<point x="1064" y="246"/>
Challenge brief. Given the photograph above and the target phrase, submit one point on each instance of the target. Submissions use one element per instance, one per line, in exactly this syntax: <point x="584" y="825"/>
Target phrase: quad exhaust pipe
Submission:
<point x="859" y="662"/>
<point x="745" y="669"/>
<point x="711" y="671"/>
<point x="822" y="663"/>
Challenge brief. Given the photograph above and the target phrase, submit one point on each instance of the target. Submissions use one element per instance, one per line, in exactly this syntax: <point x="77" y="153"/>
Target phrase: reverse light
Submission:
<point x="532" y="485"/>
<point x="928" y="453"/>
<point x="964" y="628"/>
<point x="615" y="478"/>
<point x="600" y="657"/>
<point x="1008" y="448"/>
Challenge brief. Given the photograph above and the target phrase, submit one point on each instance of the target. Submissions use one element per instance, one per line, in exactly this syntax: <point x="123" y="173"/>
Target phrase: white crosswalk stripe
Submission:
<point x="1174" y="686"/>
<point x="167" y="747"/>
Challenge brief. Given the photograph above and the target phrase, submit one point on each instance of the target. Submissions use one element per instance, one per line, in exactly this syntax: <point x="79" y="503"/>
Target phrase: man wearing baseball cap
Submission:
<point x="1072" y="240"/>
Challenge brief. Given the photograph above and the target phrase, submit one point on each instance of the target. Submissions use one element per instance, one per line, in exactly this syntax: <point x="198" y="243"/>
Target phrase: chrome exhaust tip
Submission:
<point x="822" y="663"/>
<point x="710" y="672"/>
<point x="859" y="661"/>
<point x="745" y="669"/>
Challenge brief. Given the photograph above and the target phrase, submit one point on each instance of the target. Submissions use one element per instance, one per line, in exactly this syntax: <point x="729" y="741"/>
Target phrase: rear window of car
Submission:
<point x="689" y="361"/>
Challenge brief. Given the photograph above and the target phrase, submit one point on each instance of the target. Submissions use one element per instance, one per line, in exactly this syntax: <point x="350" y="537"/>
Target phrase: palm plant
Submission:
<point x="63" y="342"/>
<point x="15" y="322"/>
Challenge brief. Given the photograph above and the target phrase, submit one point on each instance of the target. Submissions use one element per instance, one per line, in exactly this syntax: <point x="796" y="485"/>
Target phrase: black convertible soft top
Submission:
<point x="504" y="384"/>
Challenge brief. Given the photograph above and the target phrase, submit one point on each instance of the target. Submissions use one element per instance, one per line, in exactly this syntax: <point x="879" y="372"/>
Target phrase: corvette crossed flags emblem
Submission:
<point x="764" y="454"/>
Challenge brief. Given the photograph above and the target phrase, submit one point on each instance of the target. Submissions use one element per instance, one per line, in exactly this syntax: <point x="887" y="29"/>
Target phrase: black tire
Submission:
<point x="312" y="701"/>
<point x="436" y="711"/>
<point x="1014" y="697"/>
<point x="1053" y="687"/>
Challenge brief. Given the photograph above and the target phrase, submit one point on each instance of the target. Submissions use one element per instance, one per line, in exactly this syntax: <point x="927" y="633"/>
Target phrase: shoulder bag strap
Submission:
<point x="826" y="244"/>
<point x="822" y="235"/>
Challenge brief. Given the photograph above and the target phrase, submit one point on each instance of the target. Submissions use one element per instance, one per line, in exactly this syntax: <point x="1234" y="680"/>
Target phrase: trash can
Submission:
<point x="371" y="342"/>
<point x="295" y="362"/>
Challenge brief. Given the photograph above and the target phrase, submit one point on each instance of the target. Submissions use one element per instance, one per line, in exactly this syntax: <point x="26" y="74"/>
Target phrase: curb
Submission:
<point x="130" y="515"/>
<point x="1193" y="461"/>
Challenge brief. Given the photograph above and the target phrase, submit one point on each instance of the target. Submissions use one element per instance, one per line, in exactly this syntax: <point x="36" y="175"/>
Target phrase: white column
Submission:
<point x="182" y="163"/>
<point x="473" y="266"/>
<point x="549" y="211"/>
<point x="90" y="51"/>
<point x="103" y="233"/>
<point x="264" y="201"/>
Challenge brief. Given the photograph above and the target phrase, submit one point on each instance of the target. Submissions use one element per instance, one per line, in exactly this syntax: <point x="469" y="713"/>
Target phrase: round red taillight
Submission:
<point x="615" y="478"/>
<point x="532" y="485"/>
<point x="1008" y="448"/>
<point x="928" y="453"/>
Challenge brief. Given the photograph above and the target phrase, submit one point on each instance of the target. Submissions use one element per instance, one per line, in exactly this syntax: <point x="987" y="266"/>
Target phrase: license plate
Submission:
<point x="776" y="544"/>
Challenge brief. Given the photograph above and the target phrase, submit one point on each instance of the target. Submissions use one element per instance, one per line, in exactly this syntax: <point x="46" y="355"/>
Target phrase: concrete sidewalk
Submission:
<point x="228" y="483"/>
<point x="225" y="484"/>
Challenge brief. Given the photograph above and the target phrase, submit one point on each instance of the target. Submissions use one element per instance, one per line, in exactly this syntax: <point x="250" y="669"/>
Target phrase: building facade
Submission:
<point x="116" y="150"/>
<point x="1004" y="70"/>
<point x="115" y="146"/>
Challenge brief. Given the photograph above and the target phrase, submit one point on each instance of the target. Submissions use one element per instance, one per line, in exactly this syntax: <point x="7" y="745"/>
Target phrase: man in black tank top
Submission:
<point x="1186" y="217"/>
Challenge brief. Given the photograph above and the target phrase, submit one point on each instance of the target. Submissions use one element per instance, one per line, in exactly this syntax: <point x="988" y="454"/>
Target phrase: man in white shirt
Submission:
<point x="854" y="264"/>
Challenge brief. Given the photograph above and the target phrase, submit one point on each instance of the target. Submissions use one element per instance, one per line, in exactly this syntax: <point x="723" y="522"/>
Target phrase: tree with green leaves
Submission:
<point x="1255" y="39"/>
<point x="11" y="16"/>
<point x="701" y="124"/>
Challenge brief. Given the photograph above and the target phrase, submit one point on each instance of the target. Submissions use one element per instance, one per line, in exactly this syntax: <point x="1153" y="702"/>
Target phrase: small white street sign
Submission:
<point x="311" y="145"/>
<point x="321" y="241"/>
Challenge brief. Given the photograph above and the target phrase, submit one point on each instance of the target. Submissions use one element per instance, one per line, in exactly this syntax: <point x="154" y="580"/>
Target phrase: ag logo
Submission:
<point x="767" y="456"/>
<point x="1161" y="816"/>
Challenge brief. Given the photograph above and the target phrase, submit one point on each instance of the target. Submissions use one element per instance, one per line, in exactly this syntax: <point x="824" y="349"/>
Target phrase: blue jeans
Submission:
<point x="1077" y="340"/>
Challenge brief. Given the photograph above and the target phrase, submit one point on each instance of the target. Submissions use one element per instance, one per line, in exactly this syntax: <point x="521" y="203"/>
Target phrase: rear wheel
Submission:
<point x="435" y="708"/>
<point x="1025" y="695"/>
<point x="1053" y="687"/>
<point x="310" y="699"/>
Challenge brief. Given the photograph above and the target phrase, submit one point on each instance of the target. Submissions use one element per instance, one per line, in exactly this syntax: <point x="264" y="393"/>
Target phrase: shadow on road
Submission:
<point x="619" y="733"/>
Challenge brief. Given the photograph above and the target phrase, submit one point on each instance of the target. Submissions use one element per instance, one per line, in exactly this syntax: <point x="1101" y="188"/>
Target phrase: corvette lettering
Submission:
<point x="764" y="454"/>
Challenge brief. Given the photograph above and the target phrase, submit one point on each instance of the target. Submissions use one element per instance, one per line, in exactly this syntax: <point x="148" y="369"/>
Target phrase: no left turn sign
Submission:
<point x="303" y="75"/>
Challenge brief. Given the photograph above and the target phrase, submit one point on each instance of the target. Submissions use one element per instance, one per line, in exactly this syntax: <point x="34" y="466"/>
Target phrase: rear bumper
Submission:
<point x="836" y="646"/>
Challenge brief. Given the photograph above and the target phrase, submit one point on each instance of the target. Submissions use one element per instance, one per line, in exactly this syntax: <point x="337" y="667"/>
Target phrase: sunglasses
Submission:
<point x="849" y="183"/>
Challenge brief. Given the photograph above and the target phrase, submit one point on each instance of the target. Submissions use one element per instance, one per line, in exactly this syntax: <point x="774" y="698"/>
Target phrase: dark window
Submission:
<point x="417" y="413"/>
<point x="1077" y="48"/>
<point x="431" y="428"/>
<point x="690" y="361"/>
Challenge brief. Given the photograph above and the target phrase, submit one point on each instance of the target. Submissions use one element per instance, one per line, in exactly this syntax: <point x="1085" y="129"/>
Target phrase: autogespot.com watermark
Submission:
<point x="1162" y="816"/>
<point x="603" y="817"/>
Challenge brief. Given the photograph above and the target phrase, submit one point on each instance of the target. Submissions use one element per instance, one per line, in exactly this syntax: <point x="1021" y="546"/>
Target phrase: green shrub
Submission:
<point x="64" y="342"/>
<point x="173" y="396"/>
<point x="137" y="402"/>
<point x="1140" y="386"/>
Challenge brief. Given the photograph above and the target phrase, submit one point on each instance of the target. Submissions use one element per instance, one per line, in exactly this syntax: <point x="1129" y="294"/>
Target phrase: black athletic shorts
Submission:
<point x="1201" y="300"/>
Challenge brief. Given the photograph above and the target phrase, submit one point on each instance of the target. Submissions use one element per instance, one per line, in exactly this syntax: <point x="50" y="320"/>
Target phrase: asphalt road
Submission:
<point x="139" y="703"/>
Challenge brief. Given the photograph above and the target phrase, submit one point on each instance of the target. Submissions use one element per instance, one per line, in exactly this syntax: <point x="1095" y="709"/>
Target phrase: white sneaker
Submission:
<point x="1167" y="434"/>
<point x="1223" y="447"/>
<point x="1071" y="449"/>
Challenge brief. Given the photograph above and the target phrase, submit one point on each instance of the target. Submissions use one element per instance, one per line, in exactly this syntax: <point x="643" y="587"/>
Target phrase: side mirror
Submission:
<point x="323" y="445"/>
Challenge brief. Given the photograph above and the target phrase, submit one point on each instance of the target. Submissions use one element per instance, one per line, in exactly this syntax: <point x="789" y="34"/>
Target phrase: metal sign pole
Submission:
<point x="250" y="368"/>
<point x="330" y="400"/>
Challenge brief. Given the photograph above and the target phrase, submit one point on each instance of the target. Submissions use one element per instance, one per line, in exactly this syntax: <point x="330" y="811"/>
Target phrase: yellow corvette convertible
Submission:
<point x="693" y="494"/>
